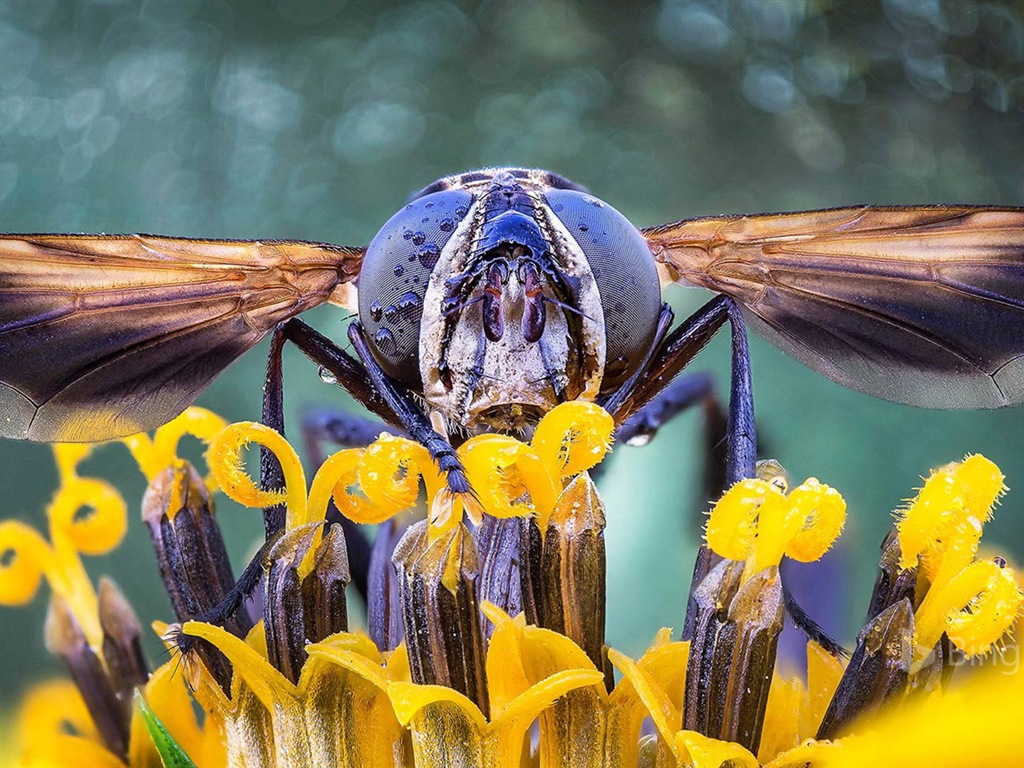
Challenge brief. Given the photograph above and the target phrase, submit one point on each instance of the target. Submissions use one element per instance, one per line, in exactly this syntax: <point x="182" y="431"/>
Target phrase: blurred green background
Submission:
<point x="316" y="120"/>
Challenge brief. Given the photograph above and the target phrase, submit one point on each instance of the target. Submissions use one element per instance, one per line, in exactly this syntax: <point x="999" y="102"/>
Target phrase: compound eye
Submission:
<point x="394" y="275"/>
<point x="626" y="276"/>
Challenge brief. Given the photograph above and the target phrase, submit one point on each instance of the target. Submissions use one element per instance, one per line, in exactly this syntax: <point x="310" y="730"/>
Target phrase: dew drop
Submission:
<point x="428" y="255"/>
<point x="326" y="376"/>
<point x="409" y="305"/>
<point x="376" y="311"/>
<point x="385" y="341"/>
<point x="446" y="225"/>
<point x="418" y="238"/>
<point x="399" y="270"/>
<point x="640" y="440"/>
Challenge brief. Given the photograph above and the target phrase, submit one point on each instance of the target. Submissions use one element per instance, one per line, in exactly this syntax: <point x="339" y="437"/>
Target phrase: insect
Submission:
<point x="496" y="294"/>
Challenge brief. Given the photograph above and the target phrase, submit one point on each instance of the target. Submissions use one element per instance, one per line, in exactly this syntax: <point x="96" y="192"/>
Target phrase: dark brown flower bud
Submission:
<point x="440" y="610"/>
<point x="191" y="555"/>
<point x="498" y="542"/>
<point x="732" y="655"/>
<point x="65" y="638"/>
<point x="893" y="583"/>
<point x="122" y="643"/>
<point x="564" y="574"/>
<point x="878" y="669"/>
<point x="300" y="607"/>
<point x="190" y="550"/>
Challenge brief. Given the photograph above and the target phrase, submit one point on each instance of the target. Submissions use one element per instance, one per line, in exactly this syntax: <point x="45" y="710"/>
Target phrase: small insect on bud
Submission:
<point x="440" y="610"/>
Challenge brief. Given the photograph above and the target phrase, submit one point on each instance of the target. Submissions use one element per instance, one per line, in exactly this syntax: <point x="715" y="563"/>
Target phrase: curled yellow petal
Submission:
<point x="982" y="482"/>
<point x="509" y="479"/>
<point x="333" y="480"/>
<point x="955" y="501"/>
<point x="68" y="456"/>
<point x="574" y="436"/>
<point x="98" y="531"/>
<point x="975" y="608"/>
<point x="24" y="555"/>
<point x="821" y="514"/>
<point x="754" y="521"/>
<point x="198" y="422"/>
<point x="732" y="527"/>
<point x="224" y="458"/>
<point x="390" y="472"/>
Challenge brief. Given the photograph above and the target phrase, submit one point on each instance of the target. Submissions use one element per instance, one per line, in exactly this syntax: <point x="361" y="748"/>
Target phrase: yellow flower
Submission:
<point x="529" y="681"/>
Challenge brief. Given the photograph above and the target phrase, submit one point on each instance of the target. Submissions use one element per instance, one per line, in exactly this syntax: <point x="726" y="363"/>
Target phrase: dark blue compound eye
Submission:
<point x="626" y="278"/>
<point x="394" y="276"/>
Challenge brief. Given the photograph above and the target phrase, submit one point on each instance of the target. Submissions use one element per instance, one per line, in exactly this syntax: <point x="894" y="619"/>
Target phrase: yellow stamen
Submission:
<point x="975" y="608"/>
<point x="948" y="512"/>
<point x="224" y="457"/>
<point x="156" y="454"/>
<point x="755" y="522"/>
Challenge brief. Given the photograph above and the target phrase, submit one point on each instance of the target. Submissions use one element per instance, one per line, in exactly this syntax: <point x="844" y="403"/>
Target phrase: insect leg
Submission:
<point x="674" y="353"/>
<point x="410" y="415"/>
<point x="271" y="476"/>
<point x="681" y="394"/>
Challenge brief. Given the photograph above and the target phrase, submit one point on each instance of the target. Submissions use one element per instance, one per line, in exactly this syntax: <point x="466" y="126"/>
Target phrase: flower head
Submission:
<point x="486" y="633"/>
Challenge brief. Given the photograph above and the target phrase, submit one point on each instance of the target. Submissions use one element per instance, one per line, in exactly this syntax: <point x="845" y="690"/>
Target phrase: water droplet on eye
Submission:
<point x="390" y="313"/>
<point x="640" y="440"/>
<point x="326" y="376"/>
<point x="407" y="234"/>
<point x="461" y="211"/>
<point x="412" y="258"/>
<point x="425" y="220"/>
<point x="418" y="238"/>
<point x="428" y="255"/>
<point x="558" y="208"/>
<point x="584" y="227"/>
<point x="399" y="270"/>
<point x="385" y="341"/>
<point x="596" y="203"/>
<point x="446" y="225"/>
<point x="376" y="311"/>
<point x="409" y="305"/>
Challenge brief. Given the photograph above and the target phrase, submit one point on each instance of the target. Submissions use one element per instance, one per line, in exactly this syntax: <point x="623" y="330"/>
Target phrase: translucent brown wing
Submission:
<point x="918" y="305"/>
<point x="103" y="336"/>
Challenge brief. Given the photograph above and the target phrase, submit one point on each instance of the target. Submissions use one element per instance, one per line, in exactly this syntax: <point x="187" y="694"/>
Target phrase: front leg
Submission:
<point x="409" y="414"/>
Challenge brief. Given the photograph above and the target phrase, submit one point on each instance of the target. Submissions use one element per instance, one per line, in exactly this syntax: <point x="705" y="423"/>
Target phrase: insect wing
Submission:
<point x="923" y="306"/>
<point x="104" y="336"/>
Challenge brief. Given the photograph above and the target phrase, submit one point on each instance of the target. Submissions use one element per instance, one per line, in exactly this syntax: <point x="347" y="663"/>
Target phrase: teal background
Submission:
<point x="316" y="120"/>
